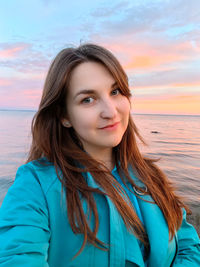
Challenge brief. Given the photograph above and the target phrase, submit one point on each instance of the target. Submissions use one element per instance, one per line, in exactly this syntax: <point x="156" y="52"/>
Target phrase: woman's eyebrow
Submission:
<point x="89" y="91"/>
<point x="84" y="92"/>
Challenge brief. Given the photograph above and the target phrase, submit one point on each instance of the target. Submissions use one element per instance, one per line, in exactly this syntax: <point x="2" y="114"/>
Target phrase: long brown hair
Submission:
<point x="61" y="147"/>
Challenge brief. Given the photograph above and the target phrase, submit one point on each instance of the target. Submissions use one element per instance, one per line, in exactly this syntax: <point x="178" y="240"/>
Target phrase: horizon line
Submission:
<point x="132" y="113"/>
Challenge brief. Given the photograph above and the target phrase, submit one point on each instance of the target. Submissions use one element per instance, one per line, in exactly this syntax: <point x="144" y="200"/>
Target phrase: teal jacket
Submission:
<point x="35" y="231"/>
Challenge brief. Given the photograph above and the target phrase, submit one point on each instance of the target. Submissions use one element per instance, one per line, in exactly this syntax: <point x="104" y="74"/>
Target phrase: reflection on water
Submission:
<point x="174" y="139"/>
<point x="177" y="143"/>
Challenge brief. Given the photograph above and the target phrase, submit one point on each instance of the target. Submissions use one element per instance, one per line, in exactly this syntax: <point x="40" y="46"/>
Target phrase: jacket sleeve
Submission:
<point x="24" y="227"/>
<point x="188" y="245"/>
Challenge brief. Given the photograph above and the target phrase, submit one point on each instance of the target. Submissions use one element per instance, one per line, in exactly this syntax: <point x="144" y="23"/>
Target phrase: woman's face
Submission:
<point x="96" y="109"/>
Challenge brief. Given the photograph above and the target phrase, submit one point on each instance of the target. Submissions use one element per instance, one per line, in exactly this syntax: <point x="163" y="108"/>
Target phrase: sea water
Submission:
<point x="174" y="139"/>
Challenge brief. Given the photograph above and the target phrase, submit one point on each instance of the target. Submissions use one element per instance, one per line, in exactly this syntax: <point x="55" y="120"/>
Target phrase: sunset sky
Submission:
<point x="157" y="42"/>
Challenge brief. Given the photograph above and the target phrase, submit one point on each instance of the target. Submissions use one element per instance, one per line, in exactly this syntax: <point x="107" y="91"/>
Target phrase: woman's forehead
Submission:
<point x="90" y="76"/>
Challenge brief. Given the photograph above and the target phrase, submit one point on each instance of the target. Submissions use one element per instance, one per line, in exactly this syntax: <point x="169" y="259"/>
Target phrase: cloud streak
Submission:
<point x="23" y="57"/>
<point x="11" y="51"/>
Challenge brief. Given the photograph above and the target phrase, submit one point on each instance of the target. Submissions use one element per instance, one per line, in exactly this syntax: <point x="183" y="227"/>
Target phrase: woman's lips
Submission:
<point x="110" y="127"/>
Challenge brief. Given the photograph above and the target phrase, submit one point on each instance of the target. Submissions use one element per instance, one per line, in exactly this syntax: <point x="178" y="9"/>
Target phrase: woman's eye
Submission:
<point x="116" y="91"/>
<point x="87" y="100"/>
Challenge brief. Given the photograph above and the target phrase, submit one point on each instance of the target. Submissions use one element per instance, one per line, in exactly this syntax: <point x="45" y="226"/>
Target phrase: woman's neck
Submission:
<point x="109" y="164"/>
<point x="105" y="156"/>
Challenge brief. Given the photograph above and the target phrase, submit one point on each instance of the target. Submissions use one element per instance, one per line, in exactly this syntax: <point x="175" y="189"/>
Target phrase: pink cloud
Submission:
<point x="5" y="82"/>
<point x="20" y="93"/>
<point x="11" y="51"/>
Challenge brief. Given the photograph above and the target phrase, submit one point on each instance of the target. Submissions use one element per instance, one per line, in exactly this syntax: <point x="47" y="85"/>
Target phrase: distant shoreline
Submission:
<point x="23" y="110"/>
<point x="132" y="113"/>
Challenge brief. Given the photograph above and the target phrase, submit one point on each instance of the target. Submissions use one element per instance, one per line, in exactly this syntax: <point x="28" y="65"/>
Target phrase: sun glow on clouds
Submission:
<point x="157" y="42"/>
<point x="156" y="53"/>
<point x="171" y="104"/>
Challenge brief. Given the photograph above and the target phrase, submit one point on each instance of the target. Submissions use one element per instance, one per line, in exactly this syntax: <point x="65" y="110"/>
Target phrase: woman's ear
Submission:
<point x="66" y="123"/>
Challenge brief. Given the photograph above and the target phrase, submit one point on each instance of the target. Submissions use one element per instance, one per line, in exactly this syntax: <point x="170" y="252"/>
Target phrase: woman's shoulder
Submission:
<point x="39" y="165"/>
<point x="39" y="171"/>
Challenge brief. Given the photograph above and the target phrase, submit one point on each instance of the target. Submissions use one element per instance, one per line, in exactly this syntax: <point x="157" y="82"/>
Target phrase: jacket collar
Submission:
<point x="117" y="231"/>
<point x="155" y="226"/>
<point x="157" y="231"/>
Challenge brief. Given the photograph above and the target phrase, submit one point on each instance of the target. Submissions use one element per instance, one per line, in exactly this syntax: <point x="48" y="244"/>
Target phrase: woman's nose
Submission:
<point x="108" y="109"/>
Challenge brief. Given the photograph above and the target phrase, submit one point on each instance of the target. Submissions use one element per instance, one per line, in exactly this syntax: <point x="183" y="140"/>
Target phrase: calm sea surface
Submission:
<point x="174" y="139"/>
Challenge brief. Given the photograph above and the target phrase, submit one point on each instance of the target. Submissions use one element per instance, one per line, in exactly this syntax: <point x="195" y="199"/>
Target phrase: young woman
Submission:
<point x="87" y="197"/>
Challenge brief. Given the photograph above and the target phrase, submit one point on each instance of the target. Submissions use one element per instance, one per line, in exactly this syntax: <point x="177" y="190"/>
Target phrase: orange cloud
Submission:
<point x="149" y="61"/>
<point x="139" y="55"/>
<point x="178" y="104"/>
<point x="191" y="84"/>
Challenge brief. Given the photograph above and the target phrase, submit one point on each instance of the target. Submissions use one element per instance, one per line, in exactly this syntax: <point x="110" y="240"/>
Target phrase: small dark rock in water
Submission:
<point x="155" y="132"/>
